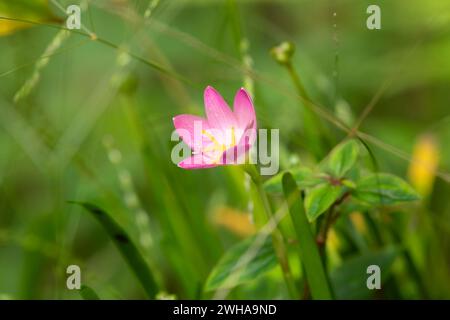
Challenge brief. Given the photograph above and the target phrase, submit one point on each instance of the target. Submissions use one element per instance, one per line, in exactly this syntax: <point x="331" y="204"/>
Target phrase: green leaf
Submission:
<point x="341" y="159"/>
<point x="231" y="270"/>
<point x="126" y="247"/>
<point x="350" y="279"/>
<point x="88" y="293"/>
<point x="320" y="198"/>
<point x="309" y="253"/>
<point x="303" y="176"/>
<point x="384" y="189"/>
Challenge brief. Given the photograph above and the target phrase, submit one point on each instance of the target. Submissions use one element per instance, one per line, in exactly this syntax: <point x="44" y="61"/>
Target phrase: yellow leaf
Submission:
<point x="333" y="242"/>
<point x="358" y="221"/>
<point x="234" y="220"/>
<point x="425" y="160"/>
<point x="7" y="27"/>
<point x="31" y="10"/>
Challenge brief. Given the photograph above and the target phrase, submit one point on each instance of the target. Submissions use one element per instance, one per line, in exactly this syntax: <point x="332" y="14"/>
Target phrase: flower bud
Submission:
<point x="283" y="52"/>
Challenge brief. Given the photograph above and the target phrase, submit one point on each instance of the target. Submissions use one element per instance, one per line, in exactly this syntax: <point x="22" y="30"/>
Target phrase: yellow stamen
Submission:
<point x="233" y="137"/>
<point x="212" y="138"/>
<point x="217" y="146"/>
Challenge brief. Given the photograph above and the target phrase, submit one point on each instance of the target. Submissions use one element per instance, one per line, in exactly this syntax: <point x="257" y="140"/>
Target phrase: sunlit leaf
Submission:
<point x="230" y="272"/>
<point x="384" y="189"/>
<point x="320" y="198"/>
<point x="303" y="176"/>
<point x="341" y="159"/>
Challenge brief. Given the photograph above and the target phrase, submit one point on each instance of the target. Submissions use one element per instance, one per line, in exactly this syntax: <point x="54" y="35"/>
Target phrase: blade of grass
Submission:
<point x="315" y="273"/>
<point x="126" y="247"/>
<point x="179" y="218"/>
<point x="87" y="293"/>
<point x="112" y="45"/>
<point x="33" y="80"/>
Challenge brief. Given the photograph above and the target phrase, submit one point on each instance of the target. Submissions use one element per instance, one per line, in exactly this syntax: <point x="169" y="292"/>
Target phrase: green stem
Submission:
<point x="277" y="237"/>
<point x="315" y="273"/>
<point x="329" y="220"/>
<point x="321" y="238"/>
<point x="311" y="124"/>
<point x="296" y="79"/>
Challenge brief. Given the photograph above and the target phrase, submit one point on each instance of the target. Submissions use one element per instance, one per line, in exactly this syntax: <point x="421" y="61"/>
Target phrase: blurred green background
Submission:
<point x="90" y="120"/>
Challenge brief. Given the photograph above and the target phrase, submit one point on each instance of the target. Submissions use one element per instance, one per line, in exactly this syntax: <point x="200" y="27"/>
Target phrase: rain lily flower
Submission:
<point x="224" y="137"/>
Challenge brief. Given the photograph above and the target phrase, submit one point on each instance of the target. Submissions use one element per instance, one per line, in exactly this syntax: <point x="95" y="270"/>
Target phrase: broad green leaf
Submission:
<point x="230" y="271"/>
<point x="385" y="189"/>
<point x="350" y="279"/>
<point x="341" y="159"/>
<point x="309" y="253"/>
<point x="348" y="183"/>
<point x="303" y="176"/>
<point x="126" y="247"/>
<point x="88" y="293"/>
<point x="320" y="198"/>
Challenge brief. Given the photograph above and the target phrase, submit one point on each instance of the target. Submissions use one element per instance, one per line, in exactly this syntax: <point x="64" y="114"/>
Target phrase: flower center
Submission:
<point x="219" y="147"/>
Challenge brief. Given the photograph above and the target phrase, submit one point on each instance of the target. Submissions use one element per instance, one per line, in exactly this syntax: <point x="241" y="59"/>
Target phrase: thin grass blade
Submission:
<point x="309" y="253"/>
<point x="126" y="247"/>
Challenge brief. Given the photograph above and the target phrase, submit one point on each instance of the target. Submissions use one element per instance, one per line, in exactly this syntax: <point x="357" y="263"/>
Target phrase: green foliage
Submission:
<point x="126" y="247"/>
<point x="329" y="183"/>
<point x="303" y="176"/>
<point x="124" y="85"/>
<point x="309" y="253"/>
<point x="87" y="293"/>
<point x="32" y="8"/>
<point x="383" y="189"/>
<point x="231" y="271"/>
<point x="349" y="279"/>
<point x="341" y="159"/>
<point x="320" y="198"/>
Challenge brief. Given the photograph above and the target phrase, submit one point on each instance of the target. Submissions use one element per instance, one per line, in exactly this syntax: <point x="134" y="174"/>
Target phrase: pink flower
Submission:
<point x="224" y="137"/>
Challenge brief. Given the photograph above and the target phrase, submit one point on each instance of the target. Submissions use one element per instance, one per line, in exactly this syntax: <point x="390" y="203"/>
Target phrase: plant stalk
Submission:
<point x="277" y="237"/>
<point x="313" y="128"/>
<point x="316" y="280"/>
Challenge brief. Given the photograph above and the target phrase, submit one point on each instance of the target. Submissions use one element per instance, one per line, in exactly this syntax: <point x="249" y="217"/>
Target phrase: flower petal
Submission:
<point x="217" y="110"/>
<point x="189" y="128"/>
<point x="237" y="154"/>
<point x="244" y="110"/>
<point x="247" y="139"/>
<point x="246" y="118"/>
<point x="197" y="161"/>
